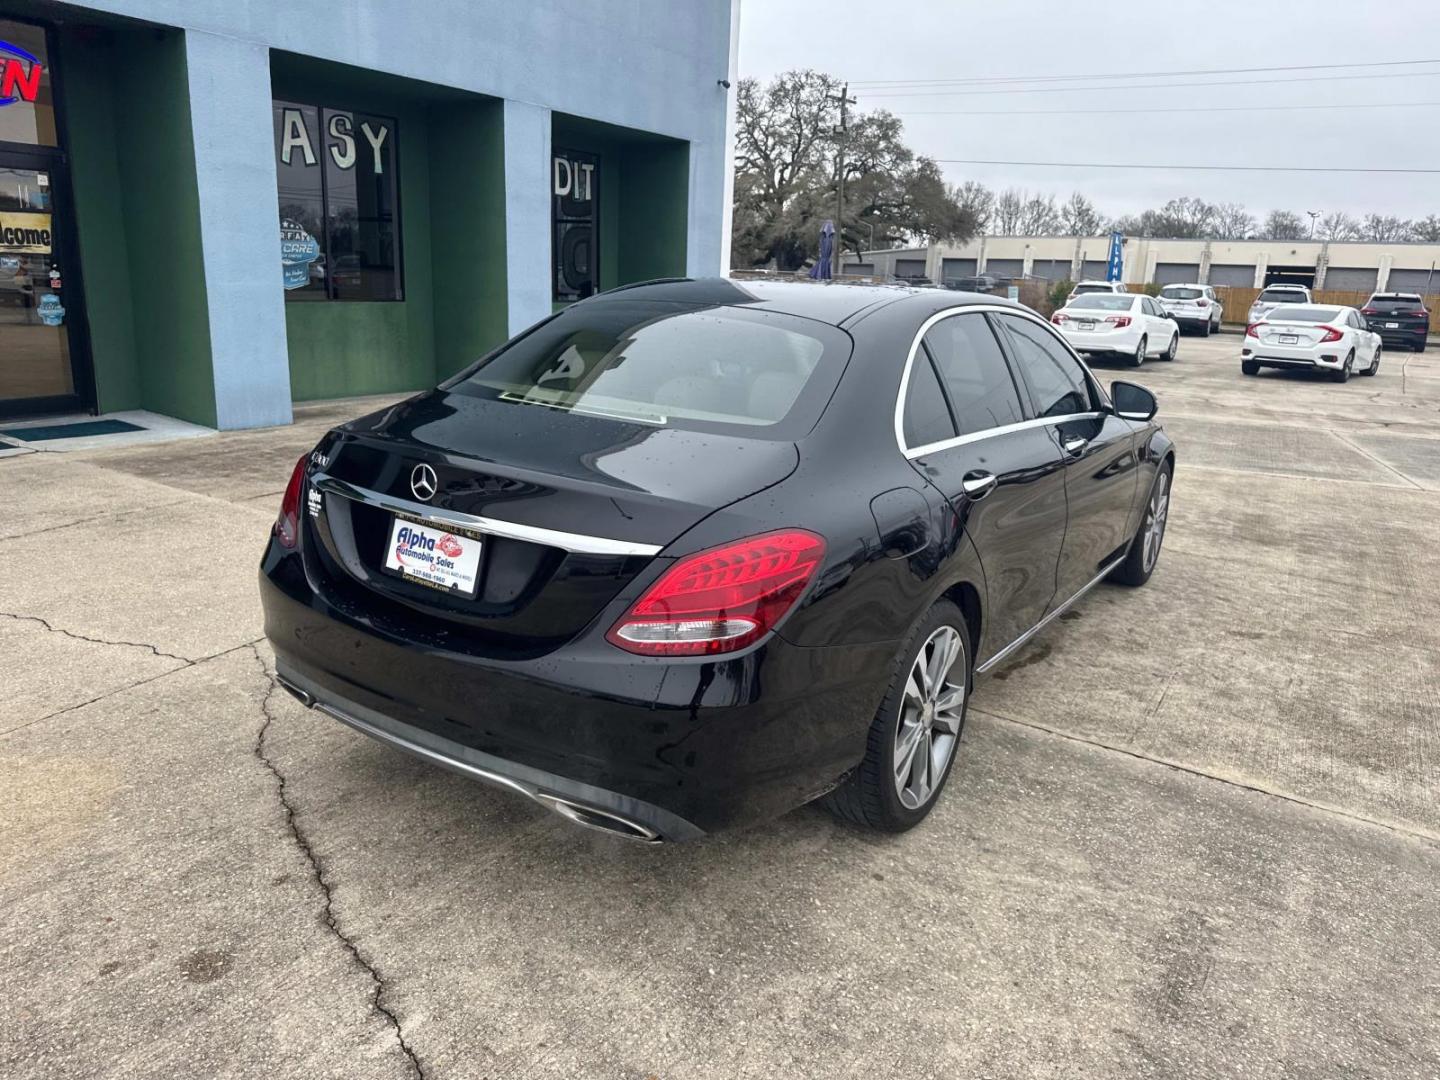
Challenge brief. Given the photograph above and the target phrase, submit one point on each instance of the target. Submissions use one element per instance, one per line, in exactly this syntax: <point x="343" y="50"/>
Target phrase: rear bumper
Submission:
<point x="1192" y="318"/>
<point x="1404" y="335"/>
<point x="677" y="748"/>
<point x="1113" y="341"/>
<point x="1270" y="356"/>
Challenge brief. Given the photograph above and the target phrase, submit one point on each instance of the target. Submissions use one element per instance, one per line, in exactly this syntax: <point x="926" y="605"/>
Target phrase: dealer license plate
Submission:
<point x="1087" y="326"/>
<point x="435" y="557"/>
<point x="1289" y="339"/>
<point x="1392" y="326"/>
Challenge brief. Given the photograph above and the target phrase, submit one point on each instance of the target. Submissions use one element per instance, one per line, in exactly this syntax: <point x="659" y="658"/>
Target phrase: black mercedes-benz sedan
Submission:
<point x="693" y="553"/>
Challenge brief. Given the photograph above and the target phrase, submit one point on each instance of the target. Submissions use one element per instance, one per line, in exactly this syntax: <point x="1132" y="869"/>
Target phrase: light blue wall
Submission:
<point x="651" y="65"/>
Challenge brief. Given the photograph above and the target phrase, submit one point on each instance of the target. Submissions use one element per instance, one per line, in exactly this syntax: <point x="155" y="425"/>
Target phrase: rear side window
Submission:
<point x="974" y="373"/>
<point x="927" y="416"/>
<point x="669" y="365"/>
<point x="1280" y="296"/>
<point x="1105" y="302"/>
<point x="1058" y="384"/>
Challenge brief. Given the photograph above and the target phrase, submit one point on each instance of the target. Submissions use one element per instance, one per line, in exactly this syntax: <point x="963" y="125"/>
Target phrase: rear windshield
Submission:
<point x="1280" y="296"/>
<point x="1180" y="292"/>
<point x="670" y="365"/>
<point x="1104" y="302"/>
<point x="1297" y="313"/>
<point x="1081" y="290"/>
<point x="1395" y="303"/>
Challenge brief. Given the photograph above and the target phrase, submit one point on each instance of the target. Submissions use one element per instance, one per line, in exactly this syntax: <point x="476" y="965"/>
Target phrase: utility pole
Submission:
<point x="844" y="132"/>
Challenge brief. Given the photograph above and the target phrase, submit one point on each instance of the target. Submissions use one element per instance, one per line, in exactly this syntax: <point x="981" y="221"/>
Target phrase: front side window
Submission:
<point x="976" y="377"/>
<point x="1058" y="384"/>
<point x="339" y="205"/>
<point x="718" y="369"/>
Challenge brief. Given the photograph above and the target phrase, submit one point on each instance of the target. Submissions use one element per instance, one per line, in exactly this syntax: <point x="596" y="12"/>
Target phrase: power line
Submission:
<point x="1198" y="109"/>
<point x="1205" y="168"/>
<point x="990" y="79"/>
<point x="1151" y="86"/>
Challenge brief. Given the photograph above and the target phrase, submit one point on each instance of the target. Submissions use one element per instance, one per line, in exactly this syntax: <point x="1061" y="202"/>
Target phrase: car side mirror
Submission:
<point x="1133" y="402"/>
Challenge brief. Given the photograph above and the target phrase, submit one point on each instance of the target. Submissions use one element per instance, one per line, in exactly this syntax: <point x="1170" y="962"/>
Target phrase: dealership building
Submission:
<point x="1245" y="264"/>
<point x="213" y="210"/>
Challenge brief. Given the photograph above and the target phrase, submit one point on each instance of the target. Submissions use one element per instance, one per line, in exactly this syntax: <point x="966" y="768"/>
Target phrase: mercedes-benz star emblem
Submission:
<point x="423" y="482"/>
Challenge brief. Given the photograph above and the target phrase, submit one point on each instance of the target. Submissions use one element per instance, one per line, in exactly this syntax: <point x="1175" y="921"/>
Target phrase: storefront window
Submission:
<point x="339" y="206"/>
<point x="575" y="219"/>
<point x="27" y="109"/>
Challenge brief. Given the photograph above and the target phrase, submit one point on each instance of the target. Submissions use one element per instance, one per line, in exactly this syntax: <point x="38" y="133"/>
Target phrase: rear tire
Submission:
<point x="1249" y="367"/>
<point x="1139" y="358"/>
<point x="1144" y="553"/>
<point x="1343" y="375"/>
<point x="925" y="716"/>
<point x="1421" y="347"/>
<point x="1208" y="329"/>
<point x="1374" y="364"/>
<point x="1174" y="347"/>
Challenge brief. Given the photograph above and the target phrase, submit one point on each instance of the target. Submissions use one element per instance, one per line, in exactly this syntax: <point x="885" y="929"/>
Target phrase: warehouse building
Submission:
<point x="211" y="211"/>
<point x="1249" y="264"/>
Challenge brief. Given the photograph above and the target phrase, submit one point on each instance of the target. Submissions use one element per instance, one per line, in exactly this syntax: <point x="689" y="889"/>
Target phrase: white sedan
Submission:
<point x="1125" y="325"/>
<point x="1313" y="336"/>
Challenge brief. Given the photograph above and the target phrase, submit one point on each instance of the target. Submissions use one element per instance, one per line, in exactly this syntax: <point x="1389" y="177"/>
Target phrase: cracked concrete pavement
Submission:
<point x="1194" y="831"/>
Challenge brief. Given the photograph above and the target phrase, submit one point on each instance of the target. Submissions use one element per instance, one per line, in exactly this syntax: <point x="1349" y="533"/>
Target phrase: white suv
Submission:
<point x="1083" y="287"/>
<point x="1193" y="305"/>
<point x="1272" y="296"/>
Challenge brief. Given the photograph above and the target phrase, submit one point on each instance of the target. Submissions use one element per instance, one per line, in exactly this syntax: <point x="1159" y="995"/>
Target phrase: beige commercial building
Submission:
<point x="1254" y="264"/>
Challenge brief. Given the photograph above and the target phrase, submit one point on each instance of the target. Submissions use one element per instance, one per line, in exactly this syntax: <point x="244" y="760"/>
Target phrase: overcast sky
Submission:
<point x="874" y="40"/>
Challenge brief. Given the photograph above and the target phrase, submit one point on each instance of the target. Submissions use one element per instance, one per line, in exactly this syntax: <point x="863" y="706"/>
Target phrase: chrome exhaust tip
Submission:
<point x="303" y="696"/>
<point x="592" y="817"/>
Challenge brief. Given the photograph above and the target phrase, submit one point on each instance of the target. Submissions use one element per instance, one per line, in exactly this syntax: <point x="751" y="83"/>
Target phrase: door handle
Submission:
<point x="1074" y="444"/>
<point x="977" y="485"/>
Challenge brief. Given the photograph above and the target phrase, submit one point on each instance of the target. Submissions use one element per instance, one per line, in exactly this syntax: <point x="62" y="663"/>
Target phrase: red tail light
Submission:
<point x="723" y="599"/>
<point x="1421" y="314"/>
<point x="287" y="525"/>
<point x="1118" y="321"/>
<point x="1252" y="329"/>
<point x="1331" y="334"/>
<point x="1369" y="311"/>
<point x="1203" y="304"/>
<point x="1057" y="318"/>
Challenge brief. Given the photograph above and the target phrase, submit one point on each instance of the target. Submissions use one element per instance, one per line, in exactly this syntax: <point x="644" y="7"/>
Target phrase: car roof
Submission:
<point x="1097" y="281"/>
<point x="833" y="302"/>
<point x="1184" y="285"/>
<point x="1395" y="296"/>
<point x="1284" y="285"/>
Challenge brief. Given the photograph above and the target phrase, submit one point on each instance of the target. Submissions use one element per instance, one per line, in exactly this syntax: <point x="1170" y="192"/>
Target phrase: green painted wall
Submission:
<point x="467" y="181"/>
<point x="138" y="213"/>
<point x="100" y="218"/>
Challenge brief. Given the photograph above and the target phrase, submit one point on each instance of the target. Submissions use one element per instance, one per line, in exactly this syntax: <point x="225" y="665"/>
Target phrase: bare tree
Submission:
<point x="1232" y="222"/>
<point x="1009" y="210"/>
<point x="1384" y="229"/>
<point x="1040" y="216"/>
<point x="1427" y="228"/>
<point x="977" y="199"/>
<point x="1283" y="225"/>
<point x="1339" y="226"/>
<point x="1078" y="217"/>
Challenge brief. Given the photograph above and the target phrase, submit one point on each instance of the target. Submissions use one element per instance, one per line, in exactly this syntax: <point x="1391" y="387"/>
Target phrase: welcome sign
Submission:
<point x="29" y="233"/>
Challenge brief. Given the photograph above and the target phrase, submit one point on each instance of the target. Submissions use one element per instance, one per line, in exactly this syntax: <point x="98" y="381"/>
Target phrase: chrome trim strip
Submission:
<point x="991" y="433"/>
<point x="1056" y="613"/>
<point x="575" y="542"/>
<point x="960" y="440"/>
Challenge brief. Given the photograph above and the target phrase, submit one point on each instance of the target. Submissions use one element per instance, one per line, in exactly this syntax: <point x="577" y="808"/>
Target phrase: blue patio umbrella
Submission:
<point x="821" y="270"/>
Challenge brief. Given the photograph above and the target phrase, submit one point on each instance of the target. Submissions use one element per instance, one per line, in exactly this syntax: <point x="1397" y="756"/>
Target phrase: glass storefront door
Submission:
<point x="43" y="365"/>
<point x="35" y="358"/>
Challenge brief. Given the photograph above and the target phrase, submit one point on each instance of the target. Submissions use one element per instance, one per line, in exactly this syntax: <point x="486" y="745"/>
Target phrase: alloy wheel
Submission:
<point x="931" y="712"/>
<point x="1155" y="516"/>
<point x="1139" y="358"/>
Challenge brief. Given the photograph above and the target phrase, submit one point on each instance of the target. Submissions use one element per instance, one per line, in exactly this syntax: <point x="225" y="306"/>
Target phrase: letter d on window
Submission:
<point x="562" y="187"/>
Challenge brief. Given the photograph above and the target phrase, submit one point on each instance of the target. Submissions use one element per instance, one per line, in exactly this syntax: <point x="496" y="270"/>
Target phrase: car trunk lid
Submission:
<point x="566" y="509"/>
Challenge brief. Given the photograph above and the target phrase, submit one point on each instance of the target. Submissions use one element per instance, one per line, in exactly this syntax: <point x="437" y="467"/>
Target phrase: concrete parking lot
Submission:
<point x="1194" y="829"/>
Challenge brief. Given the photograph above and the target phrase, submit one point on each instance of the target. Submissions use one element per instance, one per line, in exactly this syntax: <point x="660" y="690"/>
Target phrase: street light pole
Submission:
<point x="1313" y="215"/>
<point x="844" y="132"/>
